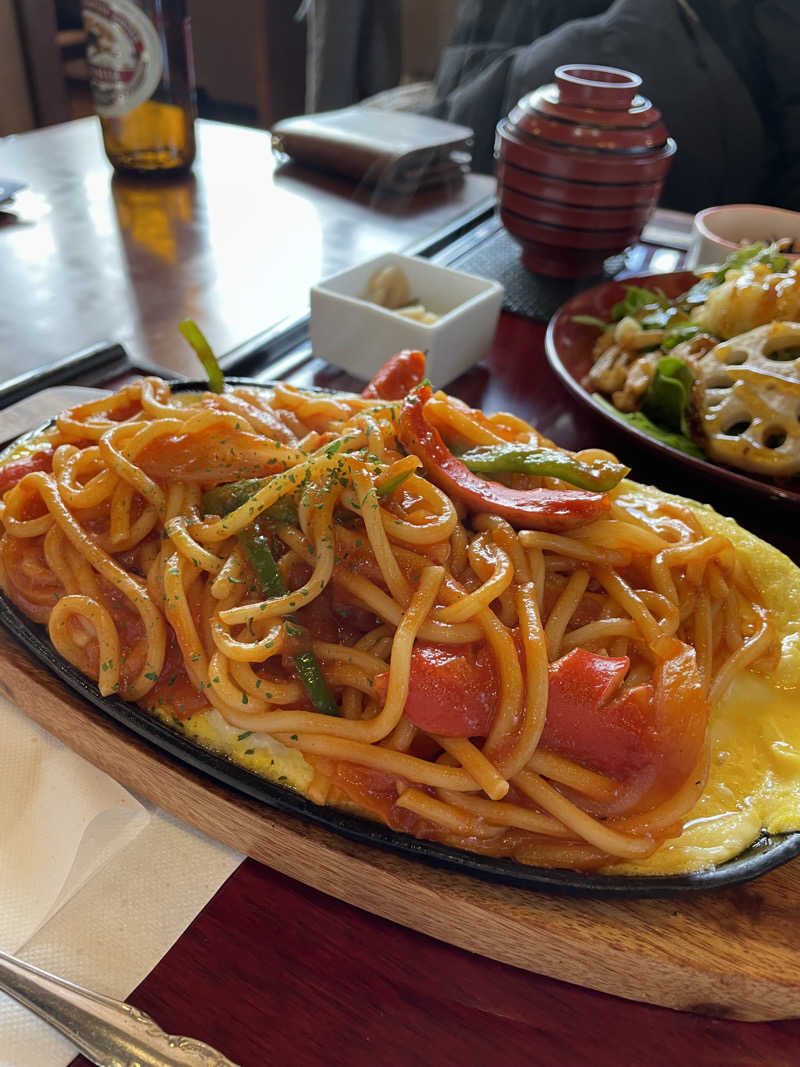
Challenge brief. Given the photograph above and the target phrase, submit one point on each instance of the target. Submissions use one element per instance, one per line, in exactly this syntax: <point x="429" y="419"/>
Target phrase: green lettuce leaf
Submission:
<point x="667" y="437"/>
<point x="667" y="398"/>
<point x="637" y="299"/>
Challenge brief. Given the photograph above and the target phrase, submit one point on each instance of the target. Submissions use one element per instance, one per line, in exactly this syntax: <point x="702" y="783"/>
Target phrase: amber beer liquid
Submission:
<point x="142" y="76"/>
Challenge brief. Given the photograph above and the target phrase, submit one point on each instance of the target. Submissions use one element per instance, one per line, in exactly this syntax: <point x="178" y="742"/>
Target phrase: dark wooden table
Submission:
<point x="272" y="972"/>
<point x="86" y="257"/>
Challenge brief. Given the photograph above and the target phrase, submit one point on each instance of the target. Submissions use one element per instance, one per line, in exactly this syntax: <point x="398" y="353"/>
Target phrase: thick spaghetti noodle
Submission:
<point x="518" y="667"/>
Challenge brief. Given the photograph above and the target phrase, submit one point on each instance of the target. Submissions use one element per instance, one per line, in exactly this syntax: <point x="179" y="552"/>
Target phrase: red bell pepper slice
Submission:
<point x="16" y="469"/>
<point x="533" y="509"/>
<point x="397" y="376"/>
<point x="452" y="691"/>
<point x="649" y="738"/>
<point x="582" y="725"/>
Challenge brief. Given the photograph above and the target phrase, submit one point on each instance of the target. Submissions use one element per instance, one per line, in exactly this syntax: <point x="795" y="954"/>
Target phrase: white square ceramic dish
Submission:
<point x="358" y="336"/>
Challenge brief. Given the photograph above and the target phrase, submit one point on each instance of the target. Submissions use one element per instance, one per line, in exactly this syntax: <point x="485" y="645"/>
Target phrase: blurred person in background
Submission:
<point x="724" y="73"/>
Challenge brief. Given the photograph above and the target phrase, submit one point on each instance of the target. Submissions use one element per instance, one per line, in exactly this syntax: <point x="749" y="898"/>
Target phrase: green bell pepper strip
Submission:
<point x="394" y="483"/>
<point x="314" y="683"/>
<point x="194" y="335"/>
<point x="260" y="554"/>
<point x="600" y="476"/>
<point x="223" y="499"/>
<point x="257" y="547"/>
<point x="256" y="544"/>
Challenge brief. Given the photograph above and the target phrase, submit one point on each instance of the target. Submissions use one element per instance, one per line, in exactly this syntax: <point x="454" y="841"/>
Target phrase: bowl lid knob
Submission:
<point x="591" y="85"/>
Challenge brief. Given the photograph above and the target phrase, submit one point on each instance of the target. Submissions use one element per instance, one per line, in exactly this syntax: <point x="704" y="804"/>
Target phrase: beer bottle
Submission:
<point x="142" y="76"/>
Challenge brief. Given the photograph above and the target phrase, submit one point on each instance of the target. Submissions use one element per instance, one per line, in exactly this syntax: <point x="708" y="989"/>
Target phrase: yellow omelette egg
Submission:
<point x="754" y="777"/>
<point x="256" y="752"/>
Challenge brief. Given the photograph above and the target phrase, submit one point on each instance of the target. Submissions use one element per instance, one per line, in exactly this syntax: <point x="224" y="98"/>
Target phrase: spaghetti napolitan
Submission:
<point x="522" y="666"/>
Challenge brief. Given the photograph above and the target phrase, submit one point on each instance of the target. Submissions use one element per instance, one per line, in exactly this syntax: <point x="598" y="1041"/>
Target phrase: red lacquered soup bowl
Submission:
<point x="580" y="167"/>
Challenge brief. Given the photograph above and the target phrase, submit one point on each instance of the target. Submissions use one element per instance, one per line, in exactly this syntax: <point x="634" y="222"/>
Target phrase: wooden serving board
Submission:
<point x="729" y="953"/>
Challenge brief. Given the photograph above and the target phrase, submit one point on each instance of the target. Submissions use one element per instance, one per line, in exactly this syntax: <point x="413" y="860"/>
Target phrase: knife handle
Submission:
<point x="109" y="1032"/>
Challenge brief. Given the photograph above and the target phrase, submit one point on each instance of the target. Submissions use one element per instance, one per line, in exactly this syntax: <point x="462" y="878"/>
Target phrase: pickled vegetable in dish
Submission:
<point x="388" y="287"/>
<point x="408" y="609"/>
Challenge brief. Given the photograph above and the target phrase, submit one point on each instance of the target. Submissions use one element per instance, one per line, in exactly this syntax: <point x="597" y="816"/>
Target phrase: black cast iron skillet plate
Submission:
<point x="764" y="855"/>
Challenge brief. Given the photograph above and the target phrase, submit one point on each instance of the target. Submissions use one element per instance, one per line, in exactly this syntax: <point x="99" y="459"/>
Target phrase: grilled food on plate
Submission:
<point x="716" y="371"/>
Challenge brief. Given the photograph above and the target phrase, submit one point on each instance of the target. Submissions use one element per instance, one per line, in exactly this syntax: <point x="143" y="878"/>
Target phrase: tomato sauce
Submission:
<point x="174" y="688"/>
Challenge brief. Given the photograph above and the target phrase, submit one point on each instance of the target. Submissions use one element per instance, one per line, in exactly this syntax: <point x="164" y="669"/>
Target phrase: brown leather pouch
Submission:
<point x="398" y="151"/>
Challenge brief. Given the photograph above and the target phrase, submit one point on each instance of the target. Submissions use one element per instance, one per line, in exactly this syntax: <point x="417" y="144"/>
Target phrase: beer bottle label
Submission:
<point x="124" y="54"/>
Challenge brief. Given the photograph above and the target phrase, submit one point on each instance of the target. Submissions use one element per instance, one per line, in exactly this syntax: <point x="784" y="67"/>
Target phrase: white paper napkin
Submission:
<point x="95" y="885"/>
<point x="60" y="821"/>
